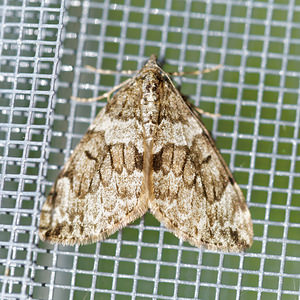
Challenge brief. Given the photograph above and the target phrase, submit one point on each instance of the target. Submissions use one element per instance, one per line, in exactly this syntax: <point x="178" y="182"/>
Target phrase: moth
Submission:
<point x="147" y="150"/>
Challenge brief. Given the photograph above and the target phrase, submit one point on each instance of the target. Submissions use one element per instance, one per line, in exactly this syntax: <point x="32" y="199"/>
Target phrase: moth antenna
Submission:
<point x="197" y="72"/>
<point x="110" y="72"/>
<point x="105" y="95"/>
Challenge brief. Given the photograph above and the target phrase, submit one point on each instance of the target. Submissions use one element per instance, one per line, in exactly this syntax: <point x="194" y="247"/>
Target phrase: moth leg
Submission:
<point x="206" y="113"/>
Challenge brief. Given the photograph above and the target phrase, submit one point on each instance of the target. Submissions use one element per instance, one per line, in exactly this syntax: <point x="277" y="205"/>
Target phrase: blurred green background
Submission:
<point x="42" y="65"/>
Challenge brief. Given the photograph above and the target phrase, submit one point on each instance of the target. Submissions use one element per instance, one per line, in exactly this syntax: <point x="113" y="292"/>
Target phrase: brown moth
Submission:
<point x="147" y="149"/>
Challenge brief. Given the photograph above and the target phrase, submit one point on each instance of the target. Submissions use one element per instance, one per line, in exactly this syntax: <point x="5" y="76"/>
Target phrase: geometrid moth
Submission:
<point x="147" y="149"/>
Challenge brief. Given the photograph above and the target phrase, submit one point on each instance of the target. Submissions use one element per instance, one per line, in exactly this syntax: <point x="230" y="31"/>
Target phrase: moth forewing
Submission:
<point x="147" y="149"/>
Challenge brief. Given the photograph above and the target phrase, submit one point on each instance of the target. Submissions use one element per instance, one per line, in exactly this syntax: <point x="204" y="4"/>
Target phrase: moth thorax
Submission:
<point x="150" y="118"/>
<point x="149" y="104"/>
<point x="149" y="87"/>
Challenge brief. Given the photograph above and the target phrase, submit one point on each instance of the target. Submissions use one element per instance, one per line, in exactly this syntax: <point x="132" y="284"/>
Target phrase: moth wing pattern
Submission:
<point x="101" y="187"/>
<point x="194" y="193"/>
<point x="147" y="149"/>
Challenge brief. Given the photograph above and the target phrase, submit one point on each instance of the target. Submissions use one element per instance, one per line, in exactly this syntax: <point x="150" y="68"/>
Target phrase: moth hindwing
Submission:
<point x="147" y="149"/>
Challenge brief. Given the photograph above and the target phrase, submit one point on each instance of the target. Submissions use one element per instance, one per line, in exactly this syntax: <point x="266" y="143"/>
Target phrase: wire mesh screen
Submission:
<point x="44" y="46"/>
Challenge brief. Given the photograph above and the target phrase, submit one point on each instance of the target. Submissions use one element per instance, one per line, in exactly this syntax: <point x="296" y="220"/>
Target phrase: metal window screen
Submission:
<point x="44" y="46"/>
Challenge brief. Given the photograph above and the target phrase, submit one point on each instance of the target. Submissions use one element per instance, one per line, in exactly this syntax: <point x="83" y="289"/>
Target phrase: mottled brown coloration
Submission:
<point x="147" y="149"/>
